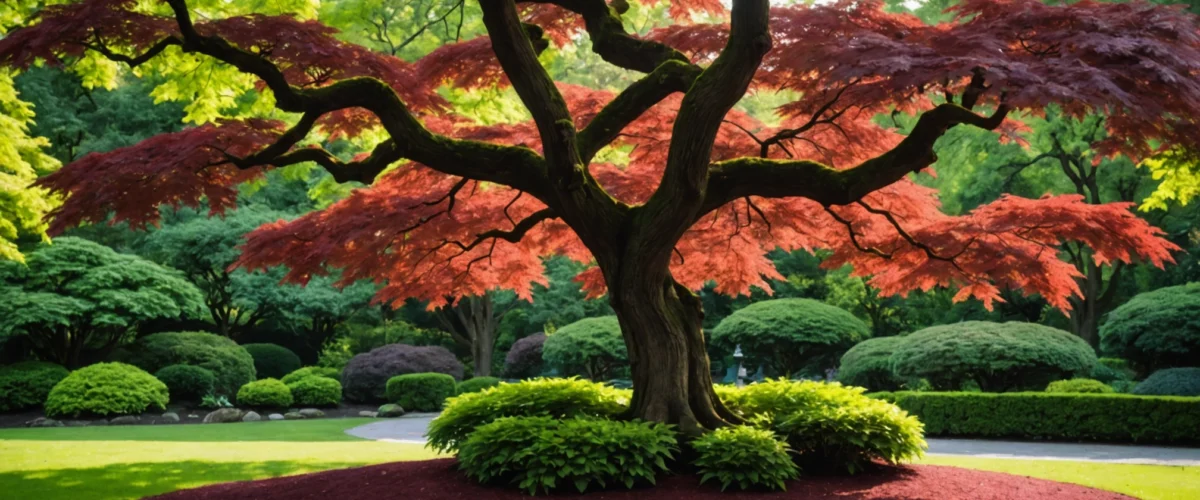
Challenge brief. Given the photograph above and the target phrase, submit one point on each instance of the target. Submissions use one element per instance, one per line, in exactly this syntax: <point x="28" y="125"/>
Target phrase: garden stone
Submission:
<point x="312" y="413"/>
<point x="77" y="423"/>
<point x="193" y="416"/>
<point x="170" y="417"/>
<point x="251" y="417"/>
<point x="275" y="416"/>
<point x="293" y="415"/>
<point x="101" y="422"/>
<point x="45" y="422"/>
<point x="223" y="415"/>
<point x="126" y="420"/>
<point x="390" y="410"/>
<point x="368" y="414"/>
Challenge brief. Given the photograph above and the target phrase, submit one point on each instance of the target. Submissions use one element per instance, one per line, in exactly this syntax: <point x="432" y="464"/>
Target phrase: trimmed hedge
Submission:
<point x="1157" y="329"/>
<point x="791" y="335"/>
<point x="477" y="384"/>
<point x="1171" y="382"/>
<point x="316" y="391"/>
<point x="312" y="371"/>
<point x="365" y="377"/>
<point x="1117" y="418"/>
<point x="187" y="382"/>
<point x="1079" y="386"/>
<point x="26" y="384"/>
<point x="106" y="389"/>
<point x="272" y="360"/>
<point x="265" y="393"/>
<point x="229" y="362"/>
<point x="420" y="391"/>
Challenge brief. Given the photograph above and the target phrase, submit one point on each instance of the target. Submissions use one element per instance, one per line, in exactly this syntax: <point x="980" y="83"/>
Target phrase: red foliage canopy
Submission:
<point x="431" y="228"/>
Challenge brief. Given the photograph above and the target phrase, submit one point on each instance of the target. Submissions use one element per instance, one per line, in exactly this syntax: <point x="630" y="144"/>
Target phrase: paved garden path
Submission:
<point x="411" y="429"/>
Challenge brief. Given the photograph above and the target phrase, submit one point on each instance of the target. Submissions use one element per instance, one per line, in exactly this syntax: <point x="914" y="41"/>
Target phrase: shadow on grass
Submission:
<point x="121" y="481"/>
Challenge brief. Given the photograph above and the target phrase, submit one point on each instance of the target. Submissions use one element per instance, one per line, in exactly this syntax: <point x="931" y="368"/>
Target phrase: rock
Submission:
<point x="170" y="417"/>
<point x="126" y="420"/>
<point x="368" y="414"/>
<point x="275" y="416"/>
<point x="251" y="417"/>
<point x="45" y="422"/>
<point x="78" y="423"/>
<point x="101" y="422"/>
<point x="312" y="413"/>
<point x="390" y="410"/>
<point x="293" y="415"/>
<point x="193" y="416"/>
<point x="223" y="416"/>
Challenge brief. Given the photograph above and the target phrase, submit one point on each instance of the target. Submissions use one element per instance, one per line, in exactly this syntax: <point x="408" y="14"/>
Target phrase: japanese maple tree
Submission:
<point x="660" y="187"/>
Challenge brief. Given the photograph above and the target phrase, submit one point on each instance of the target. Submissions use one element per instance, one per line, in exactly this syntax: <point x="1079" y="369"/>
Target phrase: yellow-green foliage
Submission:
<point x="22" y="208"/>
<point x="316" y="391"/>
<point x="312" y="371"/>
<point x="106" y="389"/>
<point x="1079" y="385"/>
<point x="745" y="456"/>
<point x="266" y="393"/>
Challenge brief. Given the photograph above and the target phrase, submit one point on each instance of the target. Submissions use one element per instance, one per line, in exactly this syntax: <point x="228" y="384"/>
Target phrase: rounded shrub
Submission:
<point x="265" y="393"/>
<point x="420" y="391"/>
<point x="477" y="384"/>
<point x="744" y="456"/>
<point x="591" y="347"/>
<point x="272" y="360"/>
<point x="1079" y="385"/>
<point x="26" y="384"/>
<point x="996" y="356"/>
<point x="1171" y="382"/>
<point x="316" y="391"/>
<point x="106" y="389"/>
<point x="543" y="397"/>
<point x="830" y="427"/>
<point x="545" y="454"/>
<point x="365" y="377"/>
<point x="790" y="335"/>
<point x="230" y="363"/>
<point x="524" y="358"/>
<point x="1155" y="330"/>
<point x="312" y="371"/>
<point x="869" y="364"/>
<point x="187" y="382"/>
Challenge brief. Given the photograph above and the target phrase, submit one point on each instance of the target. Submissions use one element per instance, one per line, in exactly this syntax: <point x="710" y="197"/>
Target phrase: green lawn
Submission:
<point x="1150" y="482"/>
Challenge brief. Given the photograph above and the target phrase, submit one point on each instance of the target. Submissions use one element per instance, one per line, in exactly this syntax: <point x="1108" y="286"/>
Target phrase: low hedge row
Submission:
<point x="1119" y="418"/>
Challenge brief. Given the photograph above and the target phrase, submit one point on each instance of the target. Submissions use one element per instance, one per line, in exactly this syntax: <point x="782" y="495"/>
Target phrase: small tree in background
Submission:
<point x="790" y="335"/>
<point x="591" y="347"/>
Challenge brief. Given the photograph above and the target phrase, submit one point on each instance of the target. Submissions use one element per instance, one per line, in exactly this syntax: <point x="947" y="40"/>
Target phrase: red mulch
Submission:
<point x="441" y="480"/>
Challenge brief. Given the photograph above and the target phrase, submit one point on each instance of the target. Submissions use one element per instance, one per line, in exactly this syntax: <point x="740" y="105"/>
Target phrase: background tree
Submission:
<point x="661" y="193"/>
<point x="789" y="336"/>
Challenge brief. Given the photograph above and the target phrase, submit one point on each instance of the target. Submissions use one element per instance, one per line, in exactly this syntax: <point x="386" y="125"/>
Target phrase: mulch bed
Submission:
<point x="441" y="480"/>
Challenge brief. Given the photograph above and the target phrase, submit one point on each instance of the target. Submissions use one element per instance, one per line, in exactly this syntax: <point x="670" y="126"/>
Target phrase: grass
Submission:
<point x="1149" y="482"/>
<point x="105" y="463"/>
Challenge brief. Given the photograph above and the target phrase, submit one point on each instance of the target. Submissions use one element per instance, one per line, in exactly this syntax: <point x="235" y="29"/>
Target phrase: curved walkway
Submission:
<point x="411" y="429"/>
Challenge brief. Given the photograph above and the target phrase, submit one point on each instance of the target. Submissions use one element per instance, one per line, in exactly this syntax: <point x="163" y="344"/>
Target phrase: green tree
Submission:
<point x="22" y="160"/>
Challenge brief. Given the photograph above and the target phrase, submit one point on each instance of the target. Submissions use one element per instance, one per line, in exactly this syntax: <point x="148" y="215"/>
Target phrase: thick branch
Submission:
<point x="612" y="43"/>
<point x="670" y="77"/>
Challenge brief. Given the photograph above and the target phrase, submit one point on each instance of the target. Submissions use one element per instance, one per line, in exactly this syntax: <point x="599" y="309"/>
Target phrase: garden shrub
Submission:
<point x="312" y="371"/>
<point x="26" y="384"/>
<point x="420" y="391"/>
<point x="997" y="356"/>
<point x="869" y="364"/>
<point x="232" y="366"/>
<point x="106" y="389"/>
<point x="187" y="382"/>
<point x="544" y="454"/>
<point x="524" y="358"/>
<point x="1157" y="329"/>
<point x="591" y="347"/>
<point x="745" y="456"/>
<point x="790" y="335"/>
<point x="830" y="427"/>
<point x="477" y="384"/>
<point x="265" y="393"/>
<point x="364" y="380"/>
<point x="1171" y="382"/>
<point x="1123" y="386"/>
<point x="1079" y="386"/>
<point x="543" y="397"/>
<point x="272" y="360"/>
<point x="316" y="391"/>
<point x="1117" y="418"/>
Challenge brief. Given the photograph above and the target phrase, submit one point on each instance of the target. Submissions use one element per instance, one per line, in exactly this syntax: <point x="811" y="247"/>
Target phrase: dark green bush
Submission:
<point x="791" y="335"/>
<point x="477" y="384"/>
<point x="524" y="358"/>
<point x="106" y="389"/>
<point x="869" y="364"/>
<point x="312" y="371"/>
<point x="545" y="397"/>
<point x="1079" y="386"/>
<point x="187" y="382"/>
<point x="316" y="391"/>
<point x="420" y="391"/>
<point x="1154" y="330"/>
<point x="1171" y="382"/>
<point x="544" y="454"/>
<point x="745" y="456"/>
<point x="26" y="384"/>
<point x="364" y="380"/>
<point x="591" y="347"/>
<point x="997" y="356"/>
<point x="1117" y="418"/>
<point x="265" y="393"/>
<point x="272" y="360"/>
<point x="830" y="427"/>
<point x="229" y="362"/>
<point x="1123" y="386"/>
